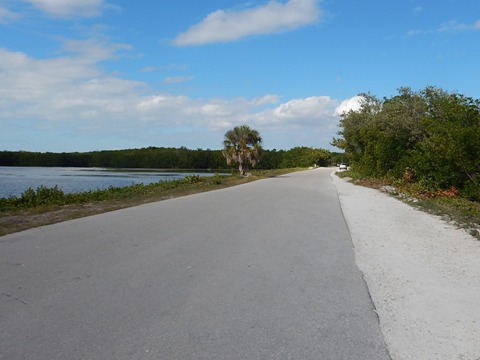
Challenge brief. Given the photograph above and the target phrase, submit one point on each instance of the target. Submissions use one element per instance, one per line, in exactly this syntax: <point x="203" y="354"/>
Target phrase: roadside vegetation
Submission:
<point x="424" y="146"/>
<point x="459" y="211"/>
<point x="242" y="145"/>
<point x="43" y="206"/>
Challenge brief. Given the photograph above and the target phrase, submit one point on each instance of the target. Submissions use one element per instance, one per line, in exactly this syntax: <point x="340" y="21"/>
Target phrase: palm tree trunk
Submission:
<point x="241" y="169"/>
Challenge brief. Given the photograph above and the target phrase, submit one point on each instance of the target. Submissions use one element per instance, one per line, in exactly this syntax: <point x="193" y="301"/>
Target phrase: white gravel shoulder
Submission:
<point x="423" y="275"/>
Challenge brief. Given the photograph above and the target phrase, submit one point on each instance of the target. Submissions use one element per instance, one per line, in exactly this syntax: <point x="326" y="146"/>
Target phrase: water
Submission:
<point x="15" y="180"/>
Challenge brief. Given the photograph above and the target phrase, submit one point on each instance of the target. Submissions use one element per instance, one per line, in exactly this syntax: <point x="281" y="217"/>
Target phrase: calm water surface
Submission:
<point x="15" y="180"/>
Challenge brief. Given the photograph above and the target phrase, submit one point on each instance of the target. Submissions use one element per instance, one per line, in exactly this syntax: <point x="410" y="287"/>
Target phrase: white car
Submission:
<point x="342" y="167"/>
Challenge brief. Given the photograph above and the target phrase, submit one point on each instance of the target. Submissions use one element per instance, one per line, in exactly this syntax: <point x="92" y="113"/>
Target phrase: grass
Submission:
<point x="44" y="206"/>
<point x="461" y="212"/>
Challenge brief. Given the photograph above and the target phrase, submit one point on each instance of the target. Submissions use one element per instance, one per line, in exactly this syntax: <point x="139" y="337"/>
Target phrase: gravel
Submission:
<point x="423" y="275"/>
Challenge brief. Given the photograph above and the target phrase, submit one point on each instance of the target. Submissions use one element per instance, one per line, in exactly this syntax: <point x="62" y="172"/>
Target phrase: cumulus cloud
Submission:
<point x="311" y="107"/>
<point x="60" y="89"/>
<point x="224" y="26"/>
<point x="182" y="110"/>
<point x="352" y="104"/>
<point x="266" y="100"/>
<point x="69" y="8"/>
<point x="72" y="94"/>
<point x="309" y="121"/>
<point x="316" y="112"/>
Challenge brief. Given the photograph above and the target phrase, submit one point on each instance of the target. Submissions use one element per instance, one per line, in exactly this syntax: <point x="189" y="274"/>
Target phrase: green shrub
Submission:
<point x="471" y="191"/>
<point x="41" y="196"/>
<point x="192" y="179"/>
<point x="429" y="137"/>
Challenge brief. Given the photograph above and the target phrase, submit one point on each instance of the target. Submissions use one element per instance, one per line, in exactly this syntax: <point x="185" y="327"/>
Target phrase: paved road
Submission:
<point x="263" y="270"/>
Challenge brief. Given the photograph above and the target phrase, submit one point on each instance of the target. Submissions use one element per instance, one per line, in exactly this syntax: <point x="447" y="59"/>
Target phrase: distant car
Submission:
<point x="342" y="167"/>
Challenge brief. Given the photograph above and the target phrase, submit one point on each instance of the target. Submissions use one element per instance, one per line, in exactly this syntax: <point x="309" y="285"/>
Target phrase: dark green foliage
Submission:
<point x="32" y="198"/>
<point x="152" y="157"/>
<point x="164" y="158"/>
<point x="432" y="134"/>
<point x="43" y="195"/>
<point x="305" y="157"/>
<point x="192" y="179"/>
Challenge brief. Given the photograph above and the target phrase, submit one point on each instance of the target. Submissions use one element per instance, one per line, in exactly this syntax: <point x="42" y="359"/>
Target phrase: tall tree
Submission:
<point x="242" y="145"/>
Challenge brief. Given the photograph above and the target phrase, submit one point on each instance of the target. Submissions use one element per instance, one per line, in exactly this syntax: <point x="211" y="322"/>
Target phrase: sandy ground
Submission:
<point x="423" y="275"/>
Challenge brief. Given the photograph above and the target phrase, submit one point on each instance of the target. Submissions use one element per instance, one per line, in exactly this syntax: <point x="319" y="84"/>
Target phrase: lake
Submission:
<point x="15" y="180"/>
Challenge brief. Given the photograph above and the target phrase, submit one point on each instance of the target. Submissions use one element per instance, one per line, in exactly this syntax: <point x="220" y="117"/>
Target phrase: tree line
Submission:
<point x="430" y="137"/>
<point x="167" y="158"/>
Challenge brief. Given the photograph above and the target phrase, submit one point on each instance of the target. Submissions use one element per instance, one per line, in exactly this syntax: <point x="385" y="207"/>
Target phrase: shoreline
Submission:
<point x="20" y="219"/>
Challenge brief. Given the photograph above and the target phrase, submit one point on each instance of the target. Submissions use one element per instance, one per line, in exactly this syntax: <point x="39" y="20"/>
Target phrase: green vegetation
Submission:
<point x="44" y="206"/>
<point x="428" y="138"/>
<point x="462" y="212"/>
<point x="54" y="196"/>
<point x="425" y="144"/>
<point x="167" y="158"/>
<point x="242" y="145"/>
<point x="41" y="206"/>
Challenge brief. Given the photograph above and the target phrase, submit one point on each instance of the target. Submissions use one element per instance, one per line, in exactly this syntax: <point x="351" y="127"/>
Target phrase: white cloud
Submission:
<point x="223" y="26"/>
<point x="311" y="107"/>
<point x="73" y="94"/>
<point x="153" y="107"/>
<point x="310" y="121"/>
<point x="59" y="89"/>
<point x="69" y="8"/>
<point x="266" y="100"/>
<point x="315" y="111"/>
<point x="170" y="109"/>
<point x="347" y="105"/>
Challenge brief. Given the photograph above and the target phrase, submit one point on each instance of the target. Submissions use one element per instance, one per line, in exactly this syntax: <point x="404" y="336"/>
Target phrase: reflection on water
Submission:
<point x="15" y="180"/>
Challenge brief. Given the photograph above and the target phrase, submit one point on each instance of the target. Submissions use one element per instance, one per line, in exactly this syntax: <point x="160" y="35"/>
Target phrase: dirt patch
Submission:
<point x="26" y="219"/>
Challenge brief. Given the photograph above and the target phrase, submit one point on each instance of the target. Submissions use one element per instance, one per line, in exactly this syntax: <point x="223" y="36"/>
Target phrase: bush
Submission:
<point x="192" y="179"/>
<point x="429" y="137"/>
<point x="43" y="195"/>
<point x="471" y="191"/>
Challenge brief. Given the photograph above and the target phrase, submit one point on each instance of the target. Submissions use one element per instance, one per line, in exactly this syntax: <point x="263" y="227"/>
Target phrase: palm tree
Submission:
<point x="242" y="145"/>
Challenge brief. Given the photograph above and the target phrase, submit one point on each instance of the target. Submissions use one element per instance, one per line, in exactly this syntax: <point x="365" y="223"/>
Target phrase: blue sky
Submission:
<point x="82" y="75"/>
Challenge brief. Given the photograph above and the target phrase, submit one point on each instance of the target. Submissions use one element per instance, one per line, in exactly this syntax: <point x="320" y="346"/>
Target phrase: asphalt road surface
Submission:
<point x="264" y="270"/>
